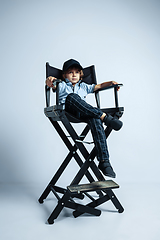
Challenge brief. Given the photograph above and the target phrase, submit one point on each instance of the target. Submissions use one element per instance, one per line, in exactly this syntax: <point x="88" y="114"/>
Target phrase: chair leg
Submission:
<point x="58" y="208"/>
<point x="55" y="178"/>
<point x="44" y="194"/>
<point x="64" y="202"/>
<point x="115" y="200"/>
<point x="67" y="200"/>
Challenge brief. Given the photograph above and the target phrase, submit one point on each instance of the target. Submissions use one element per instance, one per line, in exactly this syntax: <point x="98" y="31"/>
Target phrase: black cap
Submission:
<point x="70" y="63"/>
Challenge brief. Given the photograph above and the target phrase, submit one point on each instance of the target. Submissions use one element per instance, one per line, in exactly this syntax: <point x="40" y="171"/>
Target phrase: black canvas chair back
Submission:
<point x="89" y="78"/>
<point x="67" y="195"/>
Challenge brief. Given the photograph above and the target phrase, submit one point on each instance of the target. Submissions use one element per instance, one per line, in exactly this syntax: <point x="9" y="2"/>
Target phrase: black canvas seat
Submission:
<point x="74" y="190"/>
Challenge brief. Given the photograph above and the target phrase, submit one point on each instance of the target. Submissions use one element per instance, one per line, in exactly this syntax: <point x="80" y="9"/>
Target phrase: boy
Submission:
<point x="72" y="93"/>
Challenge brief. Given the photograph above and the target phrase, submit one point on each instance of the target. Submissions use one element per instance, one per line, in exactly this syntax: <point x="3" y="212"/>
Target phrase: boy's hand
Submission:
<point x="114" y="83"/>
<point x="49" y="82"/>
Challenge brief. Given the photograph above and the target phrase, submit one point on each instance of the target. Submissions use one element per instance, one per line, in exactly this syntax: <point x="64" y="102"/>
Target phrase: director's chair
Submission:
<point x="70" y="195"/>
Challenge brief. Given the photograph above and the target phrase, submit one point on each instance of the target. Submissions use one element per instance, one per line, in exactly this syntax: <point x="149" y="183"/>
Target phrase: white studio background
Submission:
<point x="121" y="38"/>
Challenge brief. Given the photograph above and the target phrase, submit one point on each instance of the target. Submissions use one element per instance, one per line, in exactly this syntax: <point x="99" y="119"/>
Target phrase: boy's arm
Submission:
<point x="49" y="82"/>
<point x="105" y="84"/>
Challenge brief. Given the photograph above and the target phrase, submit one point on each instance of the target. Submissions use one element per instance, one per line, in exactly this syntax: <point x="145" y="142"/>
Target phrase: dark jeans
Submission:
<point x="87" y="113"/>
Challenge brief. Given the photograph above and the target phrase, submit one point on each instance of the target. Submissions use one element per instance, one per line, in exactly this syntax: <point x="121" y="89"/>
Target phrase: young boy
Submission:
<point x="72" y="93"/>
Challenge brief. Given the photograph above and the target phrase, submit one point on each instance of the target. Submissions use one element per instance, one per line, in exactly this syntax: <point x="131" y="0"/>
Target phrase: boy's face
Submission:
<point x="73" y="75"/>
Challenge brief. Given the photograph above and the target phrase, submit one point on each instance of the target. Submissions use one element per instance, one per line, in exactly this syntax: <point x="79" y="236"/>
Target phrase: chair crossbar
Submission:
<point x="92" y="204"/>
<point x="77" y="140"/>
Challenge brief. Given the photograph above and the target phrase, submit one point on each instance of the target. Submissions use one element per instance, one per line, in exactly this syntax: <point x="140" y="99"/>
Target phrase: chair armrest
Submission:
<point x="47" y="90"/>
<point x="113" y="86"/>
<point x="115" y="92"/>
<point x="56" y="82"/>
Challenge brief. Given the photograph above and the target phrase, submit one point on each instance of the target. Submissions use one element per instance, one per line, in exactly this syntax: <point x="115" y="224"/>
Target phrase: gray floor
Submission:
<point x="22" y="217"/>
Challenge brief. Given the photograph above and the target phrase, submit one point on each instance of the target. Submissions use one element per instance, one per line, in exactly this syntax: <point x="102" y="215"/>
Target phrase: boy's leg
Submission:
<point x="85" y="112"/>
<point x="99" y="138"/>
<point x="81" y="109"/>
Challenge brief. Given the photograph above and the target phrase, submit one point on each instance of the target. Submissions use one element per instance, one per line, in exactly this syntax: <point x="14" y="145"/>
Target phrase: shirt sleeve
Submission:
<point x="89" y="87"/>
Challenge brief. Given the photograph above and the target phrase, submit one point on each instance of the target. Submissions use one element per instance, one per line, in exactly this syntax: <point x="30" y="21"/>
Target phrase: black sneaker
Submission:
<point x="112" y="122"/>
<point x="107" y="169"/>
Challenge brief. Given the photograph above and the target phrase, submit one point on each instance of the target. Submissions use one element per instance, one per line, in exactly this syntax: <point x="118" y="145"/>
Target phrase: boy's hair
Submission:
<point x="80" y="70"/>
<point x="70" y="64"/>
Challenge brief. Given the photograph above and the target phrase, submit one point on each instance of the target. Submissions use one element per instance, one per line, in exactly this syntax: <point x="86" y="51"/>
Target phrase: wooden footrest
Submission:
<point x="94" y="186"/>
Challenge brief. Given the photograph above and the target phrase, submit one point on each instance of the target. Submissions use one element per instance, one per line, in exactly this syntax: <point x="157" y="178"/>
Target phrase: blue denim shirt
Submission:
<point x="81" y="88"/>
